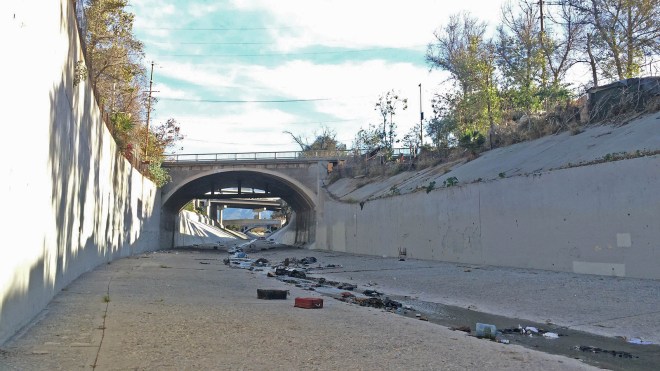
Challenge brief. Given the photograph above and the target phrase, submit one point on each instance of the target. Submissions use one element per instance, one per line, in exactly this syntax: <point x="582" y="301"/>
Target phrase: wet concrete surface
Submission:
<point x="600" y="351"/>
<point x="604" y="352"/>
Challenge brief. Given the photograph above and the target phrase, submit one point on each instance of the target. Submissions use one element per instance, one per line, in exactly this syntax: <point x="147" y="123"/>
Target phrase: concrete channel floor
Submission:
<point x="186" y="310"/>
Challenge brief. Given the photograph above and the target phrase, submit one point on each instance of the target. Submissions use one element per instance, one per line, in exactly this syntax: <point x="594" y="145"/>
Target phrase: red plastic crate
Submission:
<point x="309" y="303"/>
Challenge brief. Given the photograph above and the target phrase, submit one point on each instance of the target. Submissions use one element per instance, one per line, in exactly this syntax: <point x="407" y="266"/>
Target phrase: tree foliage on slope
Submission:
<point x="115" y="58"/>
<point x="622" y="34"/>
<point x="461" y="48"/>
<point x="520" y="75"/>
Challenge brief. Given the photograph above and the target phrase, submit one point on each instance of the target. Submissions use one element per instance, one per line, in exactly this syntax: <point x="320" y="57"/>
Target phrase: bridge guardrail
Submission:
<point x="278" y="155"/>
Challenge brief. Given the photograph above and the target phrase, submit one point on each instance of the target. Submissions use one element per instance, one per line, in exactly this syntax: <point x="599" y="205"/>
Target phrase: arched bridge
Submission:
<point x="294" y="176"/>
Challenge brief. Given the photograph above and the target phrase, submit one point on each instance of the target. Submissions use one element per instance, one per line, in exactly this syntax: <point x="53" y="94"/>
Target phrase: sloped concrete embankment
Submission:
<point x="70" y="201"/>
<point x="196" y="229"/>
<point x="594" y="219"/>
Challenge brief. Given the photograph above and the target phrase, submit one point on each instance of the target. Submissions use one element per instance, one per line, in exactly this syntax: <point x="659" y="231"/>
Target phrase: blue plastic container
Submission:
<point x="486" y="331"/>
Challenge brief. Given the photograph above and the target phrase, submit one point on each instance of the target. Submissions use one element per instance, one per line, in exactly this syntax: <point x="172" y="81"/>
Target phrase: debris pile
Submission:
<point x="531" y="331"/>
<point x="614" y="353"/>
<point x="298" y="272"/>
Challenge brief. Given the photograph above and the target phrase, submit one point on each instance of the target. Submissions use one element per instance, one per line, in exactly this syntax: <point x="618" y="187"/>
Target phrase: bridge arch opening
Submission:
<point x="209" y="184"/>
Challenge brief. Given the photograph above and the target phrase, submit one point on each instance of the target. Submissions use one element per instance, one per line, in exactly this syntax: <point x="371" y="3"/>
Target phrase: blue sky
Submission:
<point x="236" y="74"/>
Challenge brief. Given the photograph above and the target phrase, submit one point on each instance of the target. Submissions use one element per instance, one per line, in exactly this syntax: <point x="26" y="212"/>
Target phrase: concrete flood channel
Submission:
<point x="600" y="351"/>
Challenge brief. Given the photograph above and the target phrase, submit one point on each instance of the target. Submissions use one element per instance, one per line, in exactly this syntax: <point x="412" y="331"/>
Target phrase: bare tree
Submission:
<point x="387" y="106"/>
<point x="562" y="40"/>
<point x="623" y="33"/>
<point x="326" y="140"/>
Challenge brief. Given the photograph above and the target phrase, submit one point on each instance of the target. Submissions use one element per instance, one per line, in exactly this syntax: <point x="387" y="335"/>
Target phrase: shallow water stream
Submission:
<point x="600" y="351"/>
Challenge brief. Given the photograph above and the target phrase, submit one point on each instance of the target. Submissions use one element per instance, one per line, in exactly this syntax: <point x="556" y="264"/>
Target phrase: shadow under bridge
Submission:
<point x="295" y="180"/>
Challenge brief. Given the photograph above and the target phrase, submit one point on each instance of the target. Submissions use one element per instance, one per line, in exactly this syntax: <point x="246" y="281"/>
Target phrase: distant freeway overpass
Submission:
<point x="247" y="224"/>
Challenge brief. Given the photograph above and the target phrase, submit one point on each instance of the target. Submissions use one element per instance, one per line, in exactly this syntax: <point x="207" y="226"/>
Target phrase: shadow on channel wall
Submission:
<point x="100" y="208"/>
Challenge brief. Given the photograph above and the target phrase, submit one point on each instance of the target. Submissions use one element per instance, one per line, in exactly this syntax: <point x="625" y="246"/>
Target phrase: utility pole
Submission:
<point x="541" y="10"/>
<point x="542" y="42"/>
<point x="421" y="119"/>
<point x="146" y="135"/>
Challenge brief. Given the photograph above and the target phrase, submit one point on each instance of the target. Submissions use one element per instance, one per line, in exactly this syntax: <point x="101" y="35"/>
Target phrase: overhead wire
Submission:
<point x="216" y="28"/>
<point x="243" y="101"/>
<point x="334" y="52"/>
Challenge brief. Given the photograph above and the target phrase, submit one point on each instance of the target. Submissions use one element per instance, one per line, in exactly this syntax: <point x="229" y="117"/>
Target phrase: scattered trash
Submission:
<point x="240" y="255"/>
<point x="462" y="328"/>
<point x="484" y="330"/>
<point x="296" y="273"/>
<point x="346" y="286"/>
<point x="268" y="294"/>
<point x="614" y="353"/>
<point x="532" y="329"/>
<point x="309" y="303"/>
<point x="639" y="341"/>
<point x="308" y="260"/>
<point x="204" y="263"/>
<point x="369" y="302"/>
<point x="500" y="339"/>
<point x="408" y="307"/>
<point x="422" y="318"/>
<point x="388" y="303"/>
<point x="418" y="315"/>
<point x="372" y="293"/>
<point x="347" y="294"/>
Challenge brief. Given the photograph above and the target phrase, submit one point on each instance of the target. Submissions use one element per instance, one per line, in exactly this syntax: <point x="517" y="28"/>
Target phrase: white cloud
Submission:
<point x="352" y="87"/>
<point x="251" y="127"/>
<point x="167" y="91"/>
<point x="364" y="23"/>
<point x="209" y="78"/>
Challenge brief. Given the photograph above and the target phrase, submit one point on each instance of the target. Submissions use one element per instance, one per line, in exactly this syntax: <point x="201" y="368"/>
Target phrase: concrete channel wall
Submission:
<point x="599" y="219"/>
<point x="70" y="201"/>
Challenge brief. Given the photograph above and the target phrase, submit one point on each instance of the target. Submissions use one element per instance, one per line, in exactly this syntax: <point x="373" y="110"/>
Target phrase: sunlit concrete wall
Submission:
<point x="600" y="219"/>
<point x="69" y="201"/>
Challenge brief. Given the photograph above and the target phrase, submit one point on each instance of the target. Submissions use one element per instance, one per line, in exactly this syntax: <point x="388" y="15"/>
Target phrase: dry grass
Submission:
<point x="571" y="116"/>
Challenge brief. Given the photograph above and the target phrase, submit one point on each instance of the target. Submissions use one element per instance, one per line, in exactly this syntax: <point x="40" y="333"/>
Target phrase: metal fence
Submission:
<point x="279" y="155"/>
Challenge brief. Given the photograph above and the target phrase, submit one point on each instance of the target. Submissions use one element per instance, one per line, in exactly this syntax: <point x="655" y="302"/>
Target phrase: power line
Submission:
<point x="298" y="123"/>
<point x="243" y="101"/>
<point x="233" y="143"/>
<point x="208" y="43"/>
<point x="215" y="28"/>
<point x="283" y="54"/>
